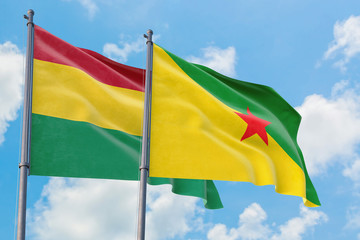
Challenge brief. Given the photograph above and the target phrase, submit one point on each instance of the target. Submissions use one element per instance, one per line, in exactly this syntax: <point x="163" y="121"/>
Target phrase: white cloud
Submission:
<point x="76" y="209"/>
<point x="220" y="232"/>
<point x="221" y="60"/>
<point x="251" y="223"/>
<point x="353" y="172"/>
<point x="330" y="128"/>
<point x="121" y="54"/>
<point x="11" y="82"/>
<point x="346" y="41"/>
<point x="298" y="226"/>
<point x="85" y="209"/>
<point x="169" y="215"/>
<point x="252" y="226"/>
<point x="353" y="218"/>
<point x="90" y="6"/>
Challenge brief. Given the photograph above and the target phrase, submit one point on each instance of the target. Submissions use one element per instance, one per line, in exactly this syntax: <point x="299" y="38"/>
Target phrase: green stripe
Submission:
<point x="65" y="148"/>
<point x="263" y="102"/>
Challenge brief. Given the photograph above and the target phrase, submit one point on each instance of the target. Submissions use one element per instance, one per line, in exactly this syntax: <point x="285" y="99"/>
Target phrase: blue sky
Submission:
<point x="307" y="51"/>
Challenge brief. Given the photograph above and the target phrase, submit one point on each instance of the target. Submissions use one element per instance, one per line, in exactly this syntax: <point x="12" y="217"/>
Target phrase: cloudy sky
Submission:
<point x="308" y="52"/>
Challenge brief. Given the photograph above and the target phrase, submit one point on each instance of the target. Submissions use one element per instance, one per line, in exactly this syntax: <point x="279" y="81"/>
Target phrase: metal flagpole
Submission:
<point x="25" y="145"/>
<point x="144" y="167"/>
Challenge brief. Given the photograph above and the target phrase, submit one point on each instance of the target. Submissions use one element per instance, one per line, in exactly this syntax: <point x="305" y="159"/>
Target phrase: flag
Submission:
<point x="208" y="126"/>
<point x="87" y="115"/>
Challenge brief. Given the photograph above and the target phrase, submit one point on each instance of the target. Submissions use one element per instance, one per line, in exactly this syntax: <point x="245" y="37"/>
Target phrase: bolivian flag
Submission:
<point x="207" y="126"/>
<point x="87" y="118"/>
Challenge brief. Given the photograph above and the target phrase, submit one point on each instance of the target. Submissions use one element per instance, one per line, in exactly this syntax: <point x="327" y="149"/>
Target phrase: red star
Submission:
<point x="255" y="126"/>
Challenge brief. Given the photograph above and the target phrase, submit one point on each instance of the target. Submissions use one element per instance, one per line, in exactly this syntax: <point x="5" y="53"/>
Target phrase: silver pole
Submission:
<point x="144" y="167"/>
<point x="25" y="145"/>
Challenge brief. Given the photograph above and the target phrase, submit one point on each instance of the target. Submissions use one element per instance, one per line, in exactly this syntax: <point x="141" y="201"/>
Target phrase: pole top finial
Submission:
<point x="30" y="16"/>
<point x="149" y="36"/>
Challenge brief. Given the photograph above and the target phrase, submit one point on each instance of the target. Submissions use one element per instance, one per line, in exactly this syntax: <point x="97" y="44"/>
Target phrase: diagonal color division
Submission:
<point x="196" y="134"/>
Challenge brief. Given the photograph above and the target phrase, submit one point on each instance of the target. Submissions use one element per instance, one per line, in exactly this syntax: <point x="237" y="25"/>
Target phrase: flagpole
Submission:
<point x="25" y="144"/>
<point x="144" y="167"/>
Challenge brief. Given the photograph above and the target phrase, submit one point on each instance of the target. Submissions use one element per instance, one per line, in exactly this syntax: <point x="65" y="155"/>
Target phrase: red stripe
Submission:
<point x="50" y="48"/>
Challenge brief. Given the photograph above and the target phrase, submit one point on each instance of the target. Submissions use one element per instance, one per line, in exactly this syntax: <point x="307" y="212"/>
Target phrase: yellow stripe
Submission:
<point x="195" y="136"/>
<point x="66" y="92"/>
